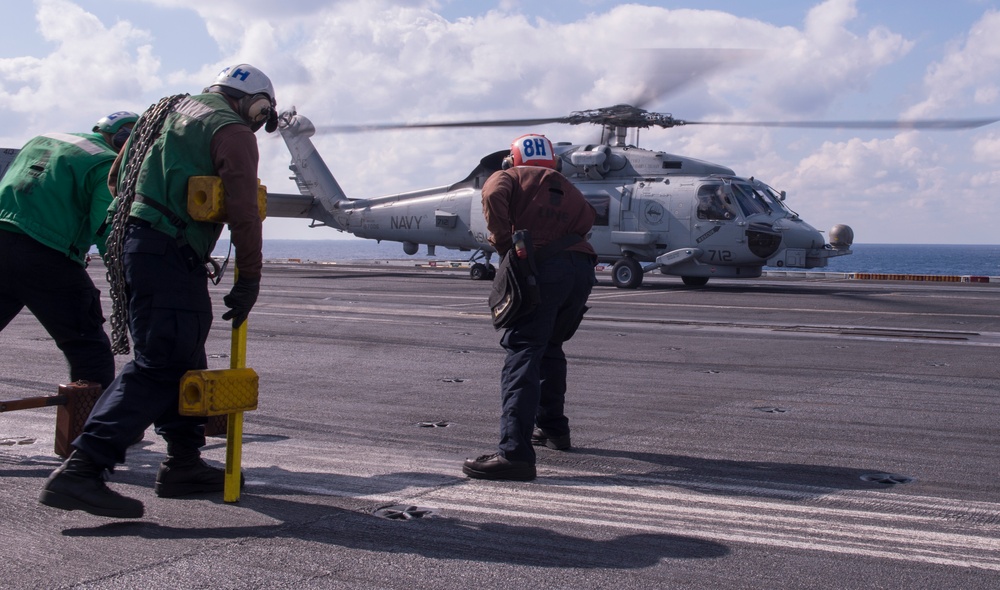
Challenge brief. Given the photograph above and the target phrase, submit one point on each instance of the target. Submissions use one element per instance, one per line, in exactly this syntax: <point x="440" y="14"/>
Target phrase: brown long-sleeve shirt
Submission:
<point x="235" y="155"/>
<point x="537" y="199"/>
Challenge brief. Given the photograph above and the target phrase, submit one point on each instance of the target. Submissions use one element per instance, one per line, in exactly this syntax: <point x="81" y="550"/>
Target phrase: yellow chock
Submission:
<point x="219" y="391"/>
<point x="207" y="199"/>
<point x="224" y="391"/>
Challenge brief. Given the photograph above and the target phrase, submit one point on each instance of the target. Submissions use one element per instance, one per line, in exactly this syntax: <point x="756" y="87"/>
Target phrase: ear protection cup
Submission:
<point x="256" y="110"/>
<point x="507" y="163"/>
<point x="120" y="137"/>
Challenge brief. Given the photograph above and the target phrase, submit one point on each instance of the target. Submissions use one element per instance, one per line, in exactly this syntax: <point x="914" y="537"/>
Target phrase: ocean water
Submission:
<point x="980" y="260"/>
<point x="916" y="259"/>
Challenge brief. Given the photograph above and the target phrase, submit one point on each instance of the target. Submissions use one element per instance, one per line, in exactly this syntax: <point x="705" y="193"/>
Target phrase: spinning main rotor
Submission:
<point x="619" y="118"/>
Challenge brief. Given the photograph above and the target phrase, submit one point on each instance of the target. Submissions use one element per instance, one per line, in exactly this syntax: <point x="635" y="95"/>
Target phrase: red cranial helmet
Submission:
<point x="532" y="150"/>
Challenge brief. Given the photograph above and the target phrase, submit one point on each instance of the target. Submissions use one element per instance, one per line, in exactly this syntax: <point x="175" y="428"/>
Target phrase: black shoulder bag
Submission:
<point x="515" y="287"/>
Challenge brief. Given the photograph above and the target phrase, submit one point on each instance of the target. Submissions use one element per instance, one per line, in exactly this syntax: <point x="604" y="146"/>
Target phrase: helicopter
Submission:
<point x="655" y="211"/>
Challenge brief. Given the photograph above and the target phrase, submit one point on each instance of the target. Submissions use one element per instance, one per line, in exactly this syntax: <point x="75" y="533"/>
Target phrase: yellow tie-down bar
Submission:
<point x="231" y="391"/>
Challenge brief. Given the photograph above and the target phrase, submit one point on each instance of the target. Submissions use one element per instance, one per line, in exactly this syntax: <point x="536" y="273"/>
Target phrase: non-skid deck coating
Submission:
<point x="772" y="433"/>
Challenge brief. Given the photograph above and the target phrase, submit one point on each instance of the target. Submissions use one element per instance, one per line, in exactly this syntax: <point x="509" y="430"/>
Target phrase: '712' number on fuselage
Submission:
<point x="720" y="256"/>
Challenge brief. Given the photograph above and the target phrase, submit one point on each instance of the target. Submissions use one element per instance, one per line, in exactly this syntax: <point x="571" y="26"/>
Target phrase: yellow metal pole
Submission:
<point x="234" y="425"/>
<point x="207" y="202"/>
<point x="234" y="451"/>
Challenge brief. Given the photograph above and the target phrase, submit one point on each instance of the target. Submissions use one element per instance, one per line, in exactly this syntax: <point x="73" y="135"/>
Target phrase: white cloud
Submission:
<point x="901" y="189"/>
<point x="370" y="62"/>
<point x="90" y="59"/>
<point x="378" y="61"/>
<point x="986" y="150"/>
<point x="967" y="74"/>
<point x="803" y="72"/>
<point x="93" y="68"/>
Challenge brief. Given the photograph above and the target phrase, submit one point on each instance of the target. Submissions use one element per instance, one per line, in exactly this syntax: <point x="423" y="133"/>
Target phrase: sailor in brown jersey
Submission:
<point x="530" y="194"/>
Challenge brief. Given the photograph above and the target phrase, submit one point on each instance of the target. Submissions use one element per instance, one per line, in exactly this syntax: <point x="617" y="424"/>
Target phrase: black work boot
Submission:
<point x="496" y="466"/>
<point x="541" y="437"/>
<point x="180" y="476"/>
<point x="78" y="484"/>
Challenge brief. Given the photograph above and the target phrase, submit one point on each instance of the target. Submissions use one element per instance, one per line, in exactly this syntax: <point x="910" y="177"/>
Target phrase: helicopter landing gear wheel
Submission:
<point x="626" y="273"/>
<point x="479" y="272"/>
<point x="491" y="272"/>
<point x="695" y="281"/>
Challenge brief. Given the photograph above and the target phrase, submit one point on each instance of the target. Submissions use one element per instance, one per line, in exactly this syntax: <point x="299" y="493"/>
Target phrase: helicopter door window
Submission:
<point x="715" y="202"/>
<point x="601" y="204"/>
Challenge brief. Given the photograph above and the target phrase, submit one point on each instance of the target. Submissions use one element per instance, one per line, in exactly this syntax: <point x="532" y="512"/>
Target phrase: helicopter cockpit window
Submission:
<point x="715" y="202"/>
<point x="751" y="202"/>
<point x="772" y="196"/>
<point x="601" y="204"/>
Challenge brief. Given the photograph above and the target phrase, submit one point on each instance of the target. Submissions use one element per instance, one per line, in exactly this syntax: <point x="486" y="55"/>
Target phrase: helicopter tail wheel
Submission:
<point x="626" y="273"/>
<point x="479" y="272"/>
<point x="695" y="281"/>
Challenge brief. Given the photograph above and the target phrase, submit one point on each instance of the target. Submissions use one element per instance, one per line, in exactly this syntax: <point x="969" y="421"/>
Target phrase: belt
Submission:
<point x="139" y="222"/>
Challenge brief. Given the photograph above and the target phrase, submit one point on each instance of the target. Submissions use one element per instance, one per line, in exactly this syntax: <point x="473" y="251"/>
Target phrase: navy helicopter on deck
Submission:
<point x="655" y="211"/>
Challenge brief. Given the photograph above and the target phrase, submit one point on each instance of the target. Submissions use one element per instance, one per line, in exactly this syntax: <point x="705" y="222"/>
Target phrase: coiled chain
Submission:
<point x="145" y="132"/>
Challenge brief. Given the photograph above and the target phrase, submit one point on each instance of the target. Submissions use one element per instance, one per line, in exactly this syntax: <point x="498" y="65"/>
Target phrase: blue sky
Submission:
<point x="66" y="63"/>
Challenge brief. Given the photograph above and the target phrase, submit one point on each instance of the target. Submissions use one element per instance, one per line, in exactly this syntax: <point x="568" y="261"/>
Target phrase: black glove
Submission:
<point x="240" y="300"/>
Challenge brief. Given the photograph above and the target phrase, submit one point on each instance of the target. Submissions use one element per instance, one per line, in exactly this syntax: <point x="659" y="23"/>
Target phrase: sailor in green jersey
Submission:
<point x="163" y="253"/>
<point x="53" y="201"/>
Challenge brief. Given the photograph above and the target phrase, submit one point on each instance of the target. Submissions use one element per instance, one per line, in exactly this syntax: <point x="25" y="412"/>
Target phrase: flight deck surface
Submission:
<point x="774" y="432"/>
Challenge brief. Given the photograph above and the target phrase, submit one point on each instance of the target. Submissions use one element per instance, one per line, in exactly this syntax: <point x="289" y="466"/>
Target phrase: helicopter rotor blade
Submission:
<point x="667" y="71"/>
<point x="923" y="124"/>
<point x="663" y="72"/>
<point x="448" y="124"/>
<point x="629" y="116"/>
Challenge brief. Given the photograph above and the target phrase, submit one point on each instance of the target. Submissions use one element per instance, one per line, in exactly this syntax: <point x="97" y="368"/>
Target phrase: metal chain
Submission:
<point x="145" y="132"/>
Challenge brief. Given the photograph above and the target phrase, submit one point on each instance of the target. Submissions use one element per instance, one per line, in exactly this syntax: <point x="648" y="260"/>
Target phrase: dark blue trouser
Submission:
<point x="61" y="295"/>
<point x="170" y="313"/>
<point x="533" y="379"/>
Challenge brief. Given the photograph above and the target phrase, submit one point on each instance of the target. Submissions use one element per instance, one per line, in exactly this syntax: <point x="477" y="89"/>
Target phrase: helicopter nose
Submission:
<point x="799" y="234"/>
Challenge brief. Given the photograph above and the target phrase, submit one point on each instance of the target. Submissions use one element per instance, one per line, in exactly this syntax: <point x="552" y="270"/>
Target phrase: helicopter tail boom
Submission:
<point x="299" y="206"/>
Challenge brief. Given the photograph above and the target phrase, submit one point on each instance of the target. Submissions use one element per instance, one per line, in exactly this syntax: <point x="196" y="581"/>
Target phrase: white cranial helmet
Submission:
<point x="252" y="91"/>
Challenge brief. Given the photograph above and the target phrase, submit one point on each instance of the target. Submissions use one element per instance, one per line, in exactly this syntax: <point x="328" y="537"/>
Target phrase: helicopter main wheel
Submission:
<point x="626" y="273"/>
<point x="479" y="272"/>
<point x="491" y="272"/>
<point x="695" y="281"/>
